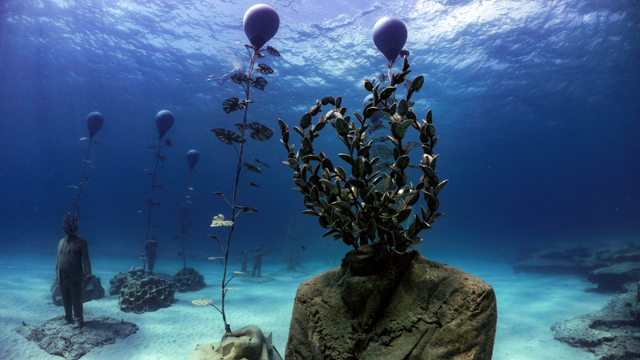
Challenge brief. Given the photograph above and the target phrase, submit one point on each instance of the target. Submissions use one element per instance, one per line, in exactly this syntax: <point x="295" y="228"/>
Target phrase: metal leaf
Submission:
<point x="228" y="137"/>
<point x="252" y="167"/>
<point x="233" y="104"/>
<point x="239" y="78"/>
<point x="259" y="83"/>
<point x="264" y="69"/>
<point x="272" y="51"/>
<point x="260" y="132"/>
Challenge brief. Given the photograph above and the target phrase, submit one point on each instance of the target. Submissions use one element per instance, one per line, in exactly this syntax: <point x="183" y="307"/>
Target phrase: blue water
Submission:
<point x="537" y="104"/>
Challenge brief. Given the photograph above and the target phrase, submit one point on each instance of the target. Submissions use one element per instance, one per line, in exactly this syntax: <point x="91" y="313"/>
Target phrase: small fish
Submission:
<point x="179" y="253"/>
<point x="190" y="188"/>
<point x="87" y="161"/>
<point x="87" y="182"/>
<point x="84" y="138"/>
<point x="304" y="248"/>
<point x="72" y="186"/>
<point x="140" y="211"/>
<point x="226" y="76"/>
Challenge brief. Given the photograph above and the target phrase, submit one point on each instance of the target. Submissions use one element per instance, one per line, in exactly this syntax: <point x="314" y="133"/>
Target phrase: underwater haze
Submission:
<point x="537" y="104"/>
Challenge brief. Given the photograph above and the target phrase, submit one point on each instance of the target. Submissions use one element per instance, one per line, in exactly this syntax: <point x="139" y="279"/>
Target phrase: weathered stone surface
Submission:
<point x="188" y="279"/>
<point x="148" y="294"/>
<point x="58" y="338"/>
<point x="392" y="306"/>
<point x="247" y="343"/>
<point x="611" y="333"/>
<point x="613" y="267"/>
<point x="614" y="278"/>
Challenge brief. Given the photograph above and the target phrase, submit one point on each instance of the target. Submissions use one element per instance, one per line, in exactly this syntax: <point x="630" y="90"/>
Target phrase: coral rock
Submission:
<point x="148" y="294"/>
<point x="188" y="279"/>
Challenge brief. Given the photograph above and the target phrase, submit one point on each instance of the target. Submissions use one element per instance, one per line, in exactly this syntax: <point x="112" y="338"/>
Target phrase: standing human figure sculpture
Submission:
<point x="150" y="248"/>
<point x="257" y="261"/>
<point x="245" y="258"/>
<point x="73" y="255"/>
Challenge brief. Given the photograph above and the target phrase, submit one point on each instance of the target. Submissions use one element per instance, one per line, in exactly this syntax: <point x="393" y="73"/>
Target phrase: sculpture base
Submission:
<point x="247" y="343"/>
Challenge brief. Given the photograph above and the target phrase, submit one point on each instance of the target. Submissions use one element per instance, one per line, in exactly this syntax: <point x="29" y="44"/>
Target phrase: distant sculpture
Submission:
<point x="245" y="257"/>
<point x="150" y="247"/>
<point x="257" y="261"/>
<point x="72" y="255"/>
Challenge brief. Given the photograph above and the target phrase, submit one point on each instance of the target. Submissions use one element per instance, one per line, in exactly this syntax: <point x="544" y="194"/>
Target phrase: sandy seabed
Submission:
<point x="528" y="305"/>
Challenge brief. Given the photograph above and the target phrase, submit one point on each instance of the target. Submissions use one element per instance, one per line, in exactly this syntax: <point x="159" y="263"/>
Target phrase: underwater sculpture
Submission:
<point x="91" y="288"/>
<point x="385" y="300"/>
<point x="257" y="261"/>
<point x="244" y="258"/>
<point x="151" y="252"/>
<point x="187" y="279"/>
<point x="72" y="268"/>
<point x="164" y="122"/>
<point x="95" y="120"/>
<point x="260" y="23"/>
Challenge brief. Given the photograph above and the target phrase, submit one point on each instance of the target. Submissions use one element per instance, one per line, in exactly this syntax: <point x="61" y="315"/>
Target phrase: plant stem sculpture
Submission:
<point x="185" y="219"/>
<point x="164" y="122"/>
<point x="95" y="120"/>
<point x="260" y="23"/>
<point x="368" y="205"/>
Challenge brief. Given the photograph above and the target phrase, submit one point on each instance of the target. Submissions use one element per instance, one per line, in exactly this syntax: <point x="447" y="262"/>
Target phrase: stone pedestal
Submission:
<point x="247" y="343"/>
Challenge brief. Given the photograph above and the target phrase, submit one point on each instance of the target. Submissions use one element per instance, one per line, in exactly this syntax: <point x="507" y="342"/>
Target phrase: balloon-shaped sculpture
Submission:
<point x="261" y="23"/>
<point x="164" y="121"/>
<point x="95" y="120"/>
<point x="375" y="118"/>
<point x="389" y="35"/>
<point x="192" y="158"/>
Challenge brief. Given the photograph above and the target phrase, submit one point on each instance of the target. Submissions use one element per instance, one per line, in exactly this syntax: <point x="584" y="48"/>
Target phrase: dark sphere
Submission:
<point x="164" y="121"/>
<point x="95" y="120"/>
<point x="192" y="158"/>
<point x="261" y="23"/>
<point x="389" y="35"/>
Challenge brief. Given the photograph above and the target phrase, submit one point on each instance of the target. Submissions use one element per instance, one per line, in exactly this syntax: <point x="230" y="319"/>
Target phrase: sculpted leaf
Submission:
<point x="259" y="131"/>
<point x="264" y="69"/>
<point x="219" y="220"/>
<point x="228" y="137"/>
<point x="259" y="83"/>
<point x="272" y="51"/>
<point x="233" y="104"/>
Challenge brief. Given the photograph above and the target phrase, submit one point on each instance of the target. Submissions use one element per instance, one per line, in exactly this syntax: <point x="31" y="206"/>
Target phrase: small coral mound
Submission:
<point x="134" y="273"/>
<point x="148" y="294"/>
<point x="188" y="279"/>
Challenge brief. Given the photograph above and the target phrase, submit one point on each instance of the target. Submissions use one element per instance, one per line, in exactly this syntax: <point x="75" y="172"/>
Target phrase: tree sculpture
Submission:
<point x="95" y="120"/>
<point x="164" y="122"/>
<point x="370" y="203"/>
<point x="260" y="24"/>
<point x="184" y="217"/>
